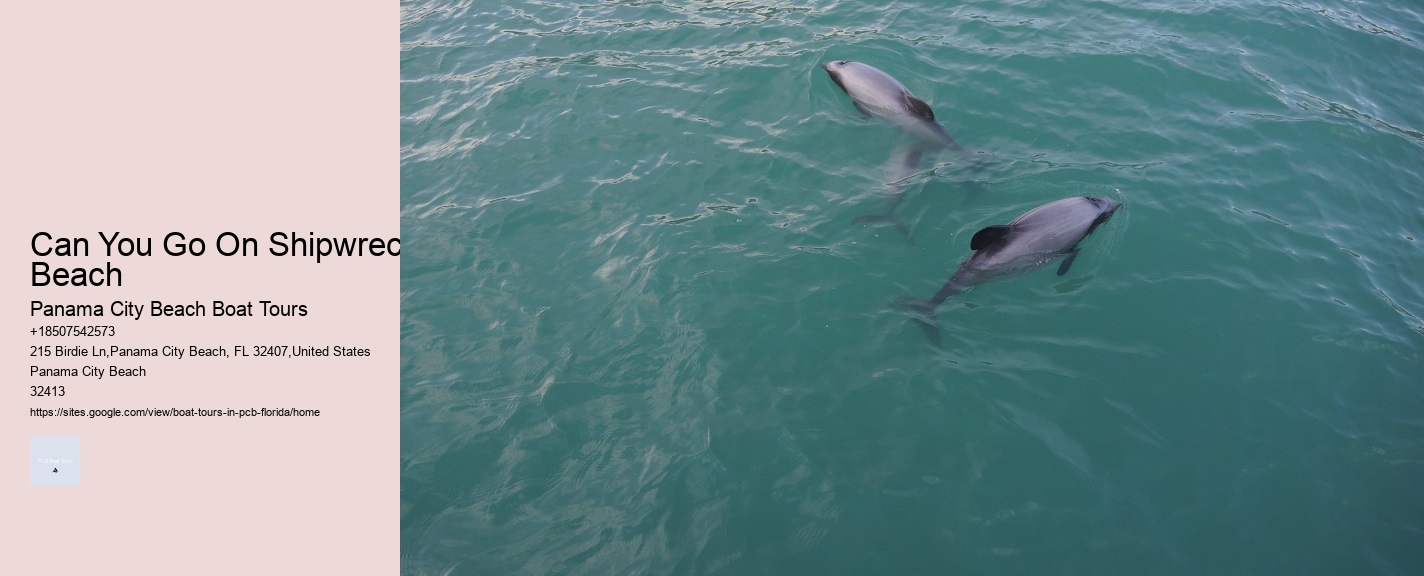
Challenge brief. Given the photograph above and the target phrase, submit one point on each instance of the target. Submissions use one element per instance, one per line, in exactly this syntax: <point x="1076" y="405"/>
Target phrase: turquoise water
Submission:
<point x="640" y="334"/>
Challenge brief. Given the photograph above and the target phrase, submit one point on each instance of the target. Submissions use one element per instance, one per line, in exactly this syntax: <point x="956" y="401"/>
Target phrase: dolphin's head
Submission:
<point x="1106" y="205"/>
<point x="1106" y="208"/>
<point x="834" y="69"/>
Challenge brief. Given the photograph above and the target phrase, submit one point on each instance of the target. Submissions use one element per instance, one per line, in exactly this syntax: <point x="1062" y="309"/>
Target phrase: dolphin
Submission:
<point x="875" y="93"/>
<point x="1030" y="242"/>
<point x="878" y="94"/>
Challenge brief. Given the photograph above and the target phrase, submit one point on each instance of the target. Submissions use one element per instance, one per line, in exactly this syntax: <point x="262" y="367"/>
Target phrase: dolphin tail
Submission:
<point x="886" y="218"/>
<point x="924" y="316"/>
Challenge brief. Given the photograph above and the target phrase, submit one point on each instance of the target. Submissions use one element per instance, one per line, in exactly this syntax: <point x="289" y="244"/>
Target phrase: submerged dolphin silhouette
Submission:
<point x="1030" y="242"/>
<point x="903" y="163"/>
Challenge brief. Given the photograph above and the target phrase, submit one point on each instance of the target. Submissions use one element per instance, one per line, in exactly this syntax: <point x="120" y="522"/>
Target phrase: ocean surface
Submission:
<point x="640" y="333"/>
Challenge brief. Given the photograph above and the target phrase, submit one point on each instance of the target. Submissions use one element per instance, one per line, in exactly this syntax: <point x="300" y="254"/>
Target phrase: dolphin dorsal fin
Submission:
<point x="989" y="236"/>
<point x="919" y="108"/>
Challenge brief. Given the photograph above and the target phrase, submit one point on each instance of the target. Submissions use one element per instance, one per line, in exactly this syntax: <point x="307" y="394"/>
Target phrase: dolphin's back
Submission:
<point x="1046" y="230"/>
<point x="879" y="92"/>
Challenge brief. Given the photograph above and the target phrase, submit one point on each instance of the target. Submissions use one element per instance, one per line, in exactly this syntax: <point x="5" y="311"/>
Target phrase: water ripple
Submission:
<point x="641" y="334"/>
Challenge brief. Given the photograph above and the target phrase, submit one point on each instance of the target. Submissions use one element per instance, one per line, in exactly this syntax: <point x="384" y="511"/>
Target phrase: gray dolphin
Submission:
<point x="1030" y="242"/>
<point x="875" y="93"/>
<point x="878" y="94"/>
